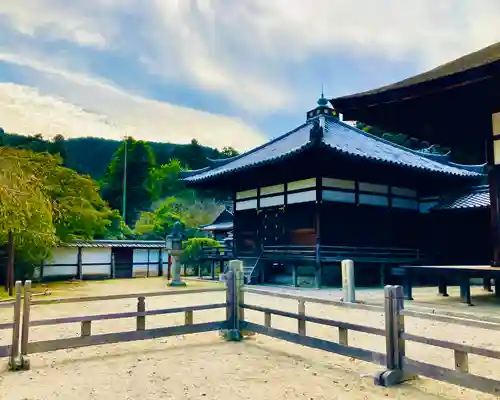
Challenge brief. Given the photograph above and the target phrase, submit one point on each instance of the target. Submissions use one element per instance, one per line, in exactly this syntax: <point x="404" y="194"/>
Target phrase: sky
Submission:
<point x="226" y="72"/>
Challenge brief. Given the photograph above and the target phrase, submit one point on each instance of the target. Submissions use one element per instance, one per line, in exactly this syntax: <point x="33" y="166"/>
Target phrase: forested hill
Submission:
<point x="92" y="155"/>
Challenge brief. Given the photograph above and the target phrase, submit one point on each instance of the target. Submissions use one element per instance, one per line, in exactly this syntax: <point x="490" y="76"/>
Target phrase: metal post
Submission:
<point x="348" y="281"/>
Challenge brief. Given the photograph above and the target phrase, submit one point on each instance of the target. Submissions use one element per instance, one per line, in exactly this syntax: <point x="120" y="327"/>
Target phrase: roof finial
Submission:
<point x="322" y="101"/>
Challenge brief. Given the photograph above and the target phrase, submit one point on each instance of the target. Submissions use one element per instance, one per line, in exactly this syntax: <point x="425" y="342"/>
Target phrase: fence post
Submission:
<point x="395" y="344"/>
<point x="234" y="296"/>
<point x="141" y="319"/>
<point x="14" y="362"/>
<point x="348" y="281"/>
<point x="25" y="364"/>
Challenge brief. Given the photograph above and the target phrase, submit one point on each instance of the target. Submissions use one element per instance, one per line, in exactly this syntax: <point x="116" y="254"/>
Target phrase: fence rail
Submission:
<point x="397" y="366"/>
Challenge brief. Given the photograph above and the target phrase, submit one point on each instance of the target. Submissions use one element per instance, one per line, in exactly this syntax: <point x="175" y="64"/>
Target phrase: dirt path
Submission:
<point x="204" y="366"/>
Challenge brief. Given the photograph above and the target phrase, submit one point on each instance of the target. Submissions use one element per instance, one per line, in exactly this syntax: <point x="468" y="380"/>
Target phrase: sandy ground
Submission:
<point x="204" y="366"/>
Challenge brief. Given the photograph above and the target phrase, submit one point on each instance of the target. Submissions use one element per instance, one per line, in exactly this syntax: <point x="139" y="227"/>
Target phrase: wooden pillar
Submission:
<point x="465" y="290"/>
<point x="212" y="269"/>
<point x="319" y="266"/>
<point x="487" y="284"/>
<point x="294" y="275"/>
<point x="442" y="286"/>
<point x="79" y="269"/>
<point x="9" y="284"/>
<point x="497" y="286"/>
<point x="42" y="266"/>
<point x="408" y="287"/>
<point x="493" y="153"/>
<point x="147" y="271"/>
<point x="160" y="263"/>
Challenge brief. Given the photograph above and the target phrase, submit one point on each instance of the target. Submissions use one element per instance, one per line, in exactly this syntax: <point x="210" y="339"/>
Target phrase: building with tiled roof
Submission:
<point x="326" y="191"/>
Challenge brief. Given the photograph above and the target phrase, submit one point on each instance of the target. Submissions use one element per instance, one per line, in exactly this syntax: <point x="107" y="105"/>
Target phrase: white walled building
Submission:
<point x="95" y="259"/>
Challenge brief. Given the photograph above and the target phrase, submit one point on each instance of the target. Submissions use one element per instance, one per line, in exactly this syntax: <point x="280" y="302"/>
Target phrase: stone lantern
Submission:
<point x="174" y="243"/>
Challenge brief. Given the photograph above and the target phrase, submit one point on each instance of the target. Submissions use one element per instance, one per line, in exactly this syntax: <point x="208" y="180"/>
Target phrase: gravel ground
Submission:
<point x="204" y="366"/>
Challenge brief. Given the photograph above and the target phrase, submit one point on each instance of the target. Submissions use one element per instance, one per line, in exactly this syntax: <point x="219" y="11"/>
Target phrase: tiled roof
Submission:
<point x="142" y="244"/>
<point x="339" y="137"/>
<point x="221" y="226"/>
<point x="478" y="197"/>
<point x="487" y="55"/>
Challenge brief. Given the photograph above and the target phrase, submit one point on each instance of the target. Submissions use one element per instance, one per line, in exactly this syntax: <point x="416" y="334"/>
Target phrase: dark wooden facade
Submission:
<point x="299" y="214"/>
<point x="456" y="104"/>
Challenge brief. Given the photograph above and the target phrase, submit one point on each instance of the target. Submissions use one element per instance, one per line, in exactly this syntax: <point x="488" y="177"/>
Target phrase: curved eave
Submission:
<point x="217" y="175"/>
<point x="420" y="85"/>
<point x="470" y="175"/>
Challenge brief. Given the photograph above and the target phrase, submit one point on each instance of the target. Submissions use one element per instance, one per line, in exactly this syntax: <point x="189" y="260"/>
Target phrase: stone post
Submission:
<point x="348" y="286"/>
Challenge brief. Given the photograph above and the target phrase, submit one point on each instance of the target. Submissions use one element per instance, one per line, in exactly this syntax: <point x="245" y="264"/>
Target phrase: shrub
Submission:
<point x="193" y="248"/>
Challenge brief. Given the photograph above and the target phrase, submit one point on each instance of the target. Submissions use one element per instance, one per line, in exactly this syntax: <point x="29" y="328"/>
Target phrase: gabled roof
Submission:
<point x="476" y="197"/>
<point x="340" y="138"/>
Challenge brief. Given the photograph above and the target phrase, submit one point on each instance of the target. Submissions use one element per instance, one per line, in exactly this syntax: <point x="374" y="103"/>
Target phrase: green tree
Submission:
<point x="43" y="203"/>
<point x="58" y="146"/>
<point x="228" y="152"/>
<point x="139" y="180"/>
<point x="167" y="182"/>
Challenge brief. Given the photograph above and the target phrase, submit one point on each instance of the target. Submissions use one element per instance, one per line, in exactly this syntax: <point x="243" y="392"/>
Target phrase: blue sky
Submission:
<point x="224" y="71"/>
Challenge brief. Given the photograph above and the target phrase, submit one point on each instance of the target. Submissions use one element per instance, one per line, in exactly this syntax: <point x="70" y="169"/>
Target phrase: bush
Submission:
<point x="193" y="248"/>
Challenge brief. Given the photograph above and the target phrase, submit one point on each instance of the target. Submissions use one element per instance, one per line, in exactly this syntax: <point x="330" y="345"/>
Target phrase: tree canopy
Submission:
<point x="44" y="203"/>
<point x="140" y="188"/>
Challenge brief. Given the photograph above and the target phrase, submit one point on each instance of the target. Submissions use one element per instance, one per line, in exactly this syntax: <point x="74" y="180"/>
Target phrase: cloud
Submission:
<point x="249" y="53"/>
<point x="101" y="109"/>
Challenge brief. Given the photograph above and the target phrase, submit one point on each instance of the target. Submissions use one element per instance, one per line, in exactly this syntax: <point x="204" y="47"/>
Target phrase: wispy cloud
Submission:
<point x="247" y="58"/>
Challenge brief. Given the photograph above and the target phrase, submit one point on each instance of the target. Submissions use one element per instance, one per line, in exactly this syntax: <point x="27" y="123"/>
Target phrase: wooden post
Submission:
<point x="395" y="344"/>
<point x="26" y="318"/>
<point x="267" y="320"/>
<point x="465" y="290"/>
<point x="113" y="265"/>
<point x="461" y="361"/>
<point x="10" y="264"/>
<point x="343" y="337"/>
<point x="442" y="286"/>
<point x="86" y="328"/>
<point x="141" y="319"/>
<point x="212" y="270"/>
<point x="301" y="320"/>
<point x="160" y="263"/>
<point x="487" y="284"/>
<point x="79" y="269"/>
<point x="188" y="317"/>
<point x="14" y="352"/>
<point x="294" y="275"/>
<point x="147" y="271"/>
<point x="235" y="313"/>
<point x="42" y="266"/>
<point x="408" y="285"/>
<point x="389" y="326"/>
<point x="230" y="298"/>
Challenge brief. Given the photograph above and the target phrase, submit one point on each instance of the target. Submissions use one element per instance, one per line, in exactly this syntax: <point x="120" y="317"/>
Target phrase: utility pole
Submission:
<point x="124" y="194"/>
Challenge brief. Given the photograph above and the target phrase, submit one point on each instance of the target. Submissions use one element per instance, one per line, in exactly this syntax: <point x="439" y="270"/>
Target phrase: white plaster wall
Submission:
<point x="62" y="255"/>
<point x="154" y="257"/>
<point x="140" y="259"/>
<point x="101" y="256"/>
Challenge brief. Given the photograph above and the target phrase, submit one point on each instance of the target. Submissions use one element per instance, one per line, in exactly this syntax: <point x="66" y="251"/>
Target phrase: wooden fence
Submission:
<point x="397" y="367"/>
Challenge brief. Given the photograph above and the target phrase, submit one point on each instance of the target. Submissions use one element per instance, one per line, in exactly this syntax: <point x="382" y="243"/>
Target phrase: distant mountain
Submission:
<point x="92" y="155"/>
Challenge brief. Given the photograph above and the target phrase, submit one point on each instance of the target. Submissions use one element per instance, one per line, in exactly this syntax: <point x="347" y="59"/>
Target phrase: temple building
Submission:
<point x="221" y="226"/>
<point x="326" y="191"/>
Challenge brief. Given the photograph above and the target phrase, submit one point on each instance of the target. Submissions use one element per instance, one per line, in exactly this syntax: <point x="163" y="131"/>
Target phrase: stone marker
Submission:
<point x="348" y="287"/>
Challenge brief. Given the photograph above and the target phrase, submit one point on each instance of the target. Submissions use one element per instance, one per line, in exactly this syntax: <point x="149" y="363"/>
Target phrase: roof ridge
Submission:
<point x="401" y="147"/>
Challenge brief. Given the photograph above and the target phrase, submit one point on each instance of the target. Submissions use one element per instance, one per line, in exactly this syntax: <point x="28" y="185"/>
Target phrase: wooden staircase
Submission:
<point x="251" y="267"/>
